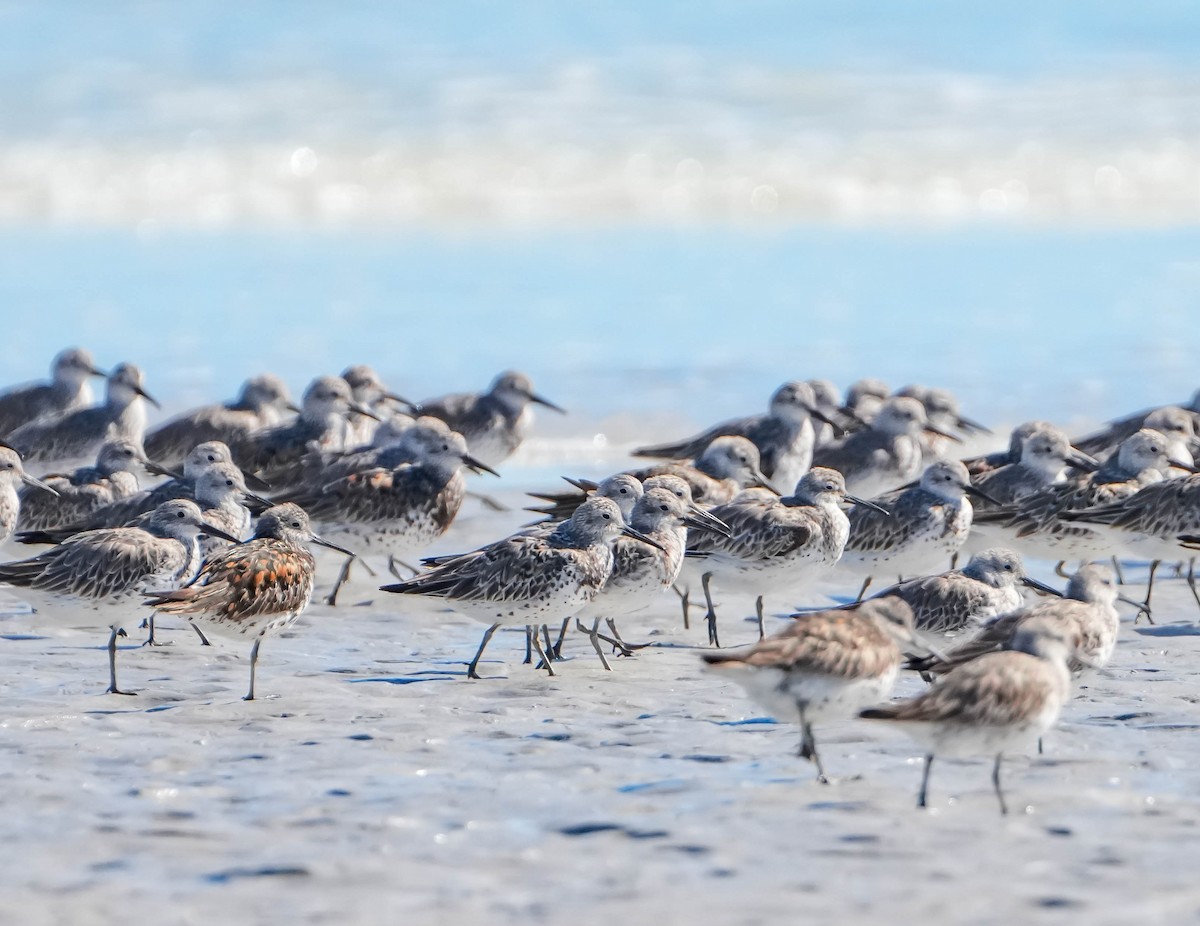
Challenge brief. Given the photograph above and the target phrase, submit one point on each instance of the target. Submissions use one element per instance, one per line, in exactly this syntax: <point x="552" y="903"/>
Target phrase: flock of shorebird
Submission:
<point x="758" y="508"/>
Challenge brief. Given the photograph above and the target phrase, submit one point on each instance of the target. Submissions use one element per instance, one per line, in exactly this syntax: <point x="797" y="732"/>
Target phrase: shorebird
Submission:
<point x="494" y="422"/>
<point x="885" y="455"/>
<point x="623" y="488"/>
<point x="990" y="705"/>
<point x="322" y="423"/>
<point x="106" y="572"/>
<point x="1046" y="455"/>
<point x="779" y="545"/>
<point x="1036" y="523"/>
<point x="914" y="530"/>
<point x="827" y="665"/>
<point x="1087" y="611"/>
<point x="977" y="466"/>
<point x="82" y="493"/>
<point x="369" y="392"/>
<point x="640" y="572"/>
<point x="942" y="410"/>
<point x="66" y="391"/>
<point x="784" y="436"/>
<point x="255" y="588"/>
<point x="865" y="397"/>
<point x="1172" y="420"/>
<point x="830" y="405"/>
<point x="73" y="437"/>
<point x="526" y="578"/>
<point x="963" y="599"/>
<point x="396" y="510"/>
<point x="13" y="473"/>
<point x="262" y="403"/>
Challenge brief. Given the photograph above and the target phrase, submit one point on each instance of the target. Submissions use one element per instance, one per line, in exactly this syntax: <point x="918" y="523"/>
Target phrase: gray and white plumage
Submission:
<point x="829" y="403"/>
<point x="1046" y="455"/>
<point x="623" y="488"/>
<point x="991" y="705"/>
<point x="888" y="453"/>
<point x="864" y="398"/>
<point x="369" y="392"/>
<point x="1172" y="420"/>
<point x="72" y="438"/>
<point x="784" y="436"/>
<point x="85" y="491"/>
<point x="1149" y="522"/>
<point x="826" y="665"/>
<point x="923" y="527"/>
<point x="67" y="390"/>
<point x="262" y="403"/>
<point x="12" y="475"/>
<point x="977" y="466"/>
<point x="494" y="422"/>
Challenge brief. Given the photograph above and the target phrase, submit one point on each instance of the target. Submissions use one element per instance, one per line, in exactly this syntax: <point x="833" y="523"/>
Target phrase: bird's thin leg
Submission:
<point x="528" y="645"/>
<point x="593" y="635"/>
<point x="1060" y="569"/>
<point x="758" y="609"/>
<point x="253" y="667"/>
<point x="112" y="662"/>
<point x="1191" y="580"/>
<point x="343" y="575"/>
<point x="556" y="649"/>
<point x="200" y="634"/>
<point x="923" y="795"/>
<point x="862" y="591"/>
<point x="487" y="635"/>
<point x="808" y="747"/>
<point x="711" y="615"/>
<point x="1117" y="569"/>
<point x="953" y="560"/>
<point x="1040" y="749"/>
<point x="996" y="783"/>
<point x="1149" y="590"/>
<point x="621" y="648"/>
<point x="537" y="645"/>
<point x="685" y="600"/>
<point x="546" y="634"/>
<point x="150" y="640"/>
<point x="395" y="565"/>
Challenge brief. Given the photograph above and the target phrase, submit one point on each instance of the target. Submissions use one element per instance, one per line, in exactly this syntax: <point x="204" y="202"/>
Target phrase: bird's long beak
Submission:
<point x="322" y="542"/>
<point x="821" y="416"/>
<point x="970" y="426"/>
<point x="392" y="397"/>
<point x="979" y="493"/>
<point x="1040" y="587"/>
<point x="213" y="531"/>
<point x="292" y="407"/>
<point x="638" y="535"/>
<point x="1080" y="460"/>
<point x="258" y="501"/>
<point x="147" y="396"/>
<point x="703" y="520"/>
<point x="587" y="485"/>
<point x="38" y="484"/>
<point x="157" y="469"/>
<point x="96" y="371"/>
<point x="851" y="416"/>
<point x="758" y="480"/>
<point x="1186" y="467"/>
<point x="934" y="429"/>
<point x="477" y="466"/>
<point x="541" y="400"/>
<point x="359" y="409"/>
<point x="257" y="483"/>
<point x="866" y="503"/>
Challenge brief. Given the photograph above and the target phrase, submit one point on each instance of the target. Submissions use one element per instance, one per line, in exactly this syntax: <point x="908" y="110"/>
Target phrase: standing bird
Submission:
<point x="888" y="453"/>
<point x="106" y="572"/>
<point x="784" y="436"/>
<point x="253" y="588"/>
<point x="73" y="437"/>
<point x="914" y="530"/>
<point x="998" y="702"/>
<point x="262" y="403"/>
<point x="827" y="665"/>
<point x="524" y="579"/>
<point x="11" y="474"/>
<point x="86" y="490"/>
<point x="779" y="545"/>
<point x="66" y="391"/>
<point x="494" y="422"/>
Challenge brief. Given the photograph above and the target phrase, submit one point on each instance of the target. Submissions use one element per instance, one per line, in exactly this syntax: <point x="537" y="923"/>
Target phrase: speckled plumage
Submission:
<point x="85" y="491"/>
<point x="883" y="456"/>
<point x="12" y="474"/>
<point x="67" y="390"/>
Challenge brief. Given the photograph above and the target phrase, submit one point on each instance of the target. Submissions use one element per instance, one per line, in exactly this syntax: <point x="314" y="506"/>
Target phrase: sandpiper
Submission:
<point x="369" y="392"/>
<point x="253" y="588"/>
<point x="67" y="390"/>
<point x="1046" y="455"/>
<point x="977" y="466"/>
<point x="865" y="397"/>
<point x="86" y="490"/>
<point x="12" y="473"/>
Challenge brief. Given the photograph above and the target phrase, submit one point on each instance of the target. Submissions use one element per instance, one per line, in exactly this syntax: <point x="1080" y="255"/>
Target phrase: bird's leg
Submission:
<point x="711" y="615"/>
<point x="546" y="633"/>
<point x="1149" y="590"/>
<point x="253" y="667"/>
<point x="593" y="635"/>
<point x="620" y="647"/>
<point x="996" y="783"/>
<point x="922" y="796"/>
<point x="685" y="601"/>
<point x="487" y="635"/>
<point x="758" y="609"/>
<point x="808" y="748"/>
<point x="1040" y="749"/>
<point x="537" y="645"/>
<point x="1191" y="580"/>
<point x="862" y="591"/>
<point x="200" y="634"/>
<point x="395" y="565"/>
<point x="343" y="575"/>
<point x="528" y="645"/>
<point x="112" y="662"/>
<point x="556" y="649"/>
<point x="149" y="625"/>
<point x="1117" y="569"/>
<point x="953" y="560"/>
<point x="1060" y="569"/>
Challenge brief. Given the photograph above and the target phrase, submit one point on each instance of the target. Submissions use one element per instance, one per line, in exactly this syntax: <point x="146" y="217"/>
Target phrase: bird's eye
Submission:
<point x="180" y="515"/>
<point x="607" y="517"/>
<point x="624" y="491"/>
<point x="663" y="508"/>
<point x="1008" y="567"/>
<point x="211" y="458"/>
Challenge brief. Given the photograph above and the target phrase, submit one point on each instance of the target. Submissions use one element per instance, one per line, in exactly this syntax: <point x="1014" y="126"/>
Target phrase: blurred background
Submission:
<point x="659" y="210"/>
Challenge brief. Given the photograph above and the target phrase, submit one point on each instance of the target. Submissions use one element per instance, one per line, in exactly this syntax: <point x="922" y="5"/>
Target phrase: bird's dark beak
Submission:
<point x="364" y="411"/>
<point x="478" y="467"/>
<point x="586" y="485"/>
<point x="392" y="397"/>
<point x="851" y="416"/>
<point x="214" y="531"/>
<point x="1186" y="467"/>
<point x="539" y="400"/>
<point x="866" y="503"/>
<point x="257" y="483"/>
<point x="322" y="542"/>
<point x="147" y="396"/>
<point x="96" y="371"/>
<point x="979" y="493"/>
<point x="1080" y="460"/>
<point x="759" y="481"/>
<point x="157" y="469"/>
<point x="257" y="500"/>
<point x="971" y="427"/>
<point x="821" y="416"/>
<point x="38" y="484"/>
<point x="934" y="429"/>
<point x="638" y="535"/>
<point x="292" y="407"/>
<point x="1040" y="587"/>
<point x="702" y="520"/>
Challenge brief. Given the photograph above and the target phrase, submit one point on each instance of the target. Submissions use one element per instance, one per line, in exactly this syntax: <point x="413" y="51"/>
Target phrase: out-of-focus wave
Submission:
<point x="674" y="139"/>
